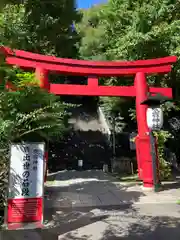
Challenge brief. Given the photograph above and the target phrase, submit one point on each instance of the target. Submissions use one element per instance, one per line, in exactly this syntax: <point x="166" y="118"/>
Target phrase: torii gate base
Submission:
<point x="45" y="64"/>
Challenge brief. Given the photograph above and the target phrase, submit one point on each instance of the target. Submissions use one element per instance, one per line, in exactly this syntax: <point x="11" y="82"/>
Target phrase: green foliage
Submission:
<point x="23" y="112"/>
<point x="131" y="30"/>
<point x="30" y="110"/>
<point x="40" y="26"/>
<point x="25" y="78"/>
<point x="165" y="168"/>
<point x="51" y="25"/>
<point x="13" y="31"/>
<point x="92" y="34"/>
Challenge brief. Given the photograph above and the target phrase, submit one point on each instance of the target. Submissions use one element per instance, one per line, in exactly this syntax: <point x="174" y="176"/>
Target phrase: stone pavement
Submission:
<point x="92" y="188"/>
<point x="92" y="205"/>
<point x="74" y="189"/>
<point x="148" y="222"/>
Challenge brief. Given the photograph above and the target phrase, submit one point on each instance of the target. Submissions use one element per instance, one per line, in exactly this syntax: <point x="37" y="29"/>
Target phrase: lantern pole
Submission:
<point x="156" y="180"/>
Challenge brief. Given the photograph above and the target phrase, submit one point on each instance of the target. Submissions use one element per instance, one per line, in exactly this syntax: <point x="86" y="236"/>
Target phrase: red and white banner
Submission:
<point x="26" y="183"/>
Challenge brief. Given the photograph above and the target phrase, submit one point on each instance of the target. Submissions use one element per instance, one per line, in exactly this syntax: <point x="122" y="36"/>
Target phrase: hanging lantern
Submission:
<point x="154" y="116"/>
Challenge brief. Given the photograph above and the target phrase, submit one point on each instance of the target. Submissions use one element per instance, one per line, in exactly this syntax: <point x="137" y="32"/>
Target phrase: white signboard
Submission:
<point x="26" y="178"/>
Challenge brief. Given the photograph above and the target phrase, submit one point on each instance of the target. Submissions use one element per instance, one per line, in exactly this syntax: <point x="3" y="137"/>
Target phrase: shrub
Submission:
<point x="29" y="114"/>
<point x="164" y="166"/>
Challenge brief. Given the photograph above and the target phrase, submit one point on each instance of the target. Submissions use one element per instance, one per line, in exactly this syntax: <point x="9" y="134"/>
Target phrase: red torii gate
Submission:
<point x="94" y="69"/>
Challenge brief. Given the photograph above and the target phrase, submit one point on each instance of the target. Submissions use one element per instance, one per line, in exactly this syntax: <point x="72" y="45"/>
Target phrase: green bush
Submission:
<point x="165" y="169"/>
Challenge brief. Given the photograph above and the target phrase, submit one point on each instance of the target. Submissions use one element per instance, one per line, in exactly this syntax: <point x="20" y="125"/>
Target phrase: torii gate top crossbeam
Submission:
<point x="87" y="68"/>
<point x="92" y="69"/>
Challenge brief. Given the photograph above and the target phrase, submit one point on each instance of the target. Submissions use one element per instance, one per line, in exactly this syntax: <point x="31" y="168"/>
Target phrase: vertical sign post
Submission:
<point x="26" y="185"/>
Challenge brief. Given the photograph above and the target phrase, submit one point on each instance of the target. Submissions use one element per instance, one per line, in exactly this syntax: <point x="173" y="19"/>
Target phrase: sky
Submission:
<point x="88" y="3"/>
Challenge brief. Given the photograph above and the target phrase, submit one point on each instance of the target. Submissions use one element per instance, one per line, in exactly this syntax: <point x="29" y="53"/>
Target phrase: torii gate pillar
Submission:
<point x="42" y="75"/>
<point x="143" y="147"/>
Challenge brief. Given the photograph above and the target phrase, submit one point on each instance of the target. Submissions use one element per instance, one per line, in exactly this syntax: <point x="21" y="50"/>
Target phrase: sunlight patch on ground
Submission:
<point x="66" y="183"/>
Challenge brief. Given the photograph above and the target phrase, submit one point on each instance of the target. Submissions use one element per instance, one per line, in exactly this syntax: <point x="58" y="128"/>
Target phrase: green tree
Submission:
<point x="40" y="26"/>
<point x="131" y="30"/>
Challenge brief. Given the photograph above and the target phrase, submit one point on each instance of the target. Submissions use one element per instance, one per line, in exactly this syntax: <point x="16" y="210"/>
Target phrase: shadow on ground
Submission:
<point x="73" y="190"/>
<point x="130" y="228"/>
<point x="78" y="206"/>
<point x="74" y="195"/>
<point x="153" y="228"/>
<point x="117" y="228"/>
<point x="170" y="185"/>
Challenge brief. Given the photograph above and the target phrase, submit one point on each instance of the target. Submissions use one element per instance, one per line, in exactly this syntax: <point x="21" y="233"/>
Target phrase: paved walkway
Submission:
<point x="91" y="205"/>
<point x="145" y="223"/>
<point x="75" y="189"/>
<point x="93" y="188"/>
<point x="120" y="211"/>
